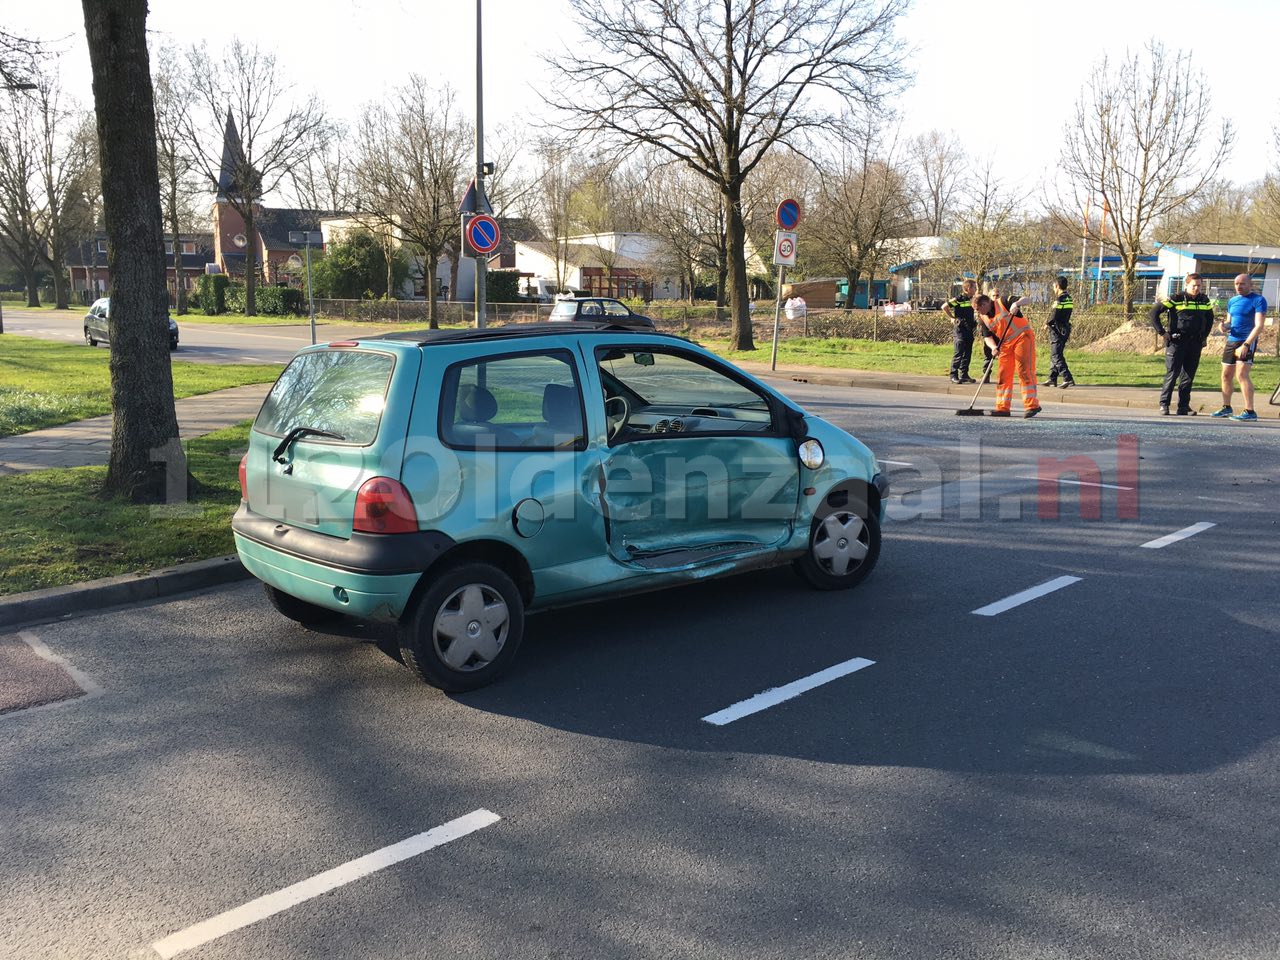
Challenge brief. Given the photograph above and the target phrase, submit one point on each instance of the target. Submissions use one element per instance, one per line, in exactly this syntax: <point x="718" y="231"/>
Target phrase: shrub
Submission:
<point x="270" y="301"/>
<point x="502" y="286"/>
<point x="211" y="294"/>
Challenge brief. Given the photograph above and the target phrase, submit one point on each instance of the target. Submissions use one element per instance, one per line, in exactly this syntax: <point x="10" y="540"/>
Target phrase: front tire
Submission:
<point x="300" y="611"/>
<point x="843" y="550"/>
<point x="465" y="629"/>
<point x="88" y="338"/>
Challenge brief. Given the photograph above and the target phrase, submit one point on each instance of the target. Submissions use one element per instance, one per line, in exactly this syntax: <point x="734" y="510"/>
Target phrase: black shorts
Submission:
<point x="1229" y="352"/>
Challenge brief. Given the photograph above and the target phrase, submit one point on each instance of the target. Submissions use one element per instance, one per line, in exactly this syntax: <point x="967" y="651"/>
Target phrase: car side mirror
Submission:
<point x="644" y="359"/>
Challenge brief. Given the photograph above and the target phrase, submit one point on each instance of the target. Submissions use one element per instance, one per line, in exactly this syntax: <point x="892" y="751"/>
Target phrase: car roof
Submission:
<point x="520" y="331"/>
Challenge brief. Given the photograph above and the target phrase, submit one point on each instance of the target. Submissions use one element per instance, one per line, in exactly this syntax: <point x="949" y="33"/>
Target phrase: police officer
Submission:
<point x="1059" y="326"/>
<point x="959" y="310"/>
<point x="1190" y="320"/>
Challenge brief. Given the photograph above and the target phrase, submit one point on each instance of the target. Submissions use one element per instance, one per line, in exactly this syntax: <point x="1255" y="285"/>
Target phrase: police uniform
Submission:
<point x="1059" y="327"/>
<point x="1190" y="320"/>
<point x="961" y="308"/>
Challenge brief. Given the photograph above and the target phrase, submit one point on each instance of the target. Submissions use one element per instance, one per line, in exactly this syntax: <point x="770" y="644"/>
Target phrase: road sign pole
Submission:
<point x="482" y="262"/>
<point x="777" y="316"/>
<point x="311" y="300"/>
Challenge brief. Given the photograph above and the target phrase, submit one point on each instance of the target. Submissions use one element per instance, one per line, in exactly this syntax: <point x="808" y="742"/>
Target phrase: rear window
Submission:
<point x="342" y="391"/>
<point x="564" y="310"/>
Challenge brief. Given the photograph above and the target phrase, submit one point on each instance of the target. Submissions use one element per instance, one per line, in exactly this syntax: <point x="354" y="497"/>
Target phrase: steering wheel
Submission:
<point x="616" y="423"/>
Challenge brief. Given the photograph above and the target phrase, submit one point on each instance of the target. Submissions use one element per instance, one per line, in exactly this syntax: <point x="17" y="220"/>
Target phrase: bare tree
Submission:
<point x="1141" y="145"/>
<point x="716" y="85"/>
<point x="177" y="161"/>
<point x="555" y="182"/>
<point x="324" y="179"/>
<point x="683" y="210"/>
<point x="990" y="231"/>
<point x="18" y="58"/>
<point x="22" y="234"/>
<point x="413" y="169"/>
<point x="863" y="204"/>
<point x="145" y="423"/>
<point x="243" y="93"/>
<point x="941" y="167"/>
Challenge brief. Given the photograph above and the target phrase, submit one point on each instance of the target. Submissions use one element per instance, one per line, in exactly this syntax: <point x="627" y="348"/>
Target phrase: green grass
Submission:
<point x="43" y="383"/>
<point x="1101" y="369"/>
<point x="59" y="529"/>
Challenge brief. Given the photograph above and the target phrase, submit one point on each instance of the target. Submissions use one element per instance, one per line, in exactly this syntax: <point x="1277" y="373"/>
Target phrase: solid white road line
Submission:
<point x="894" y="463"/>
<point x="1018" y="599"/>
<point x="1177" y="535"/>
<point x="291" y="896"/>
<point x="777" y="695"/>
<point x="1078" y="483"/>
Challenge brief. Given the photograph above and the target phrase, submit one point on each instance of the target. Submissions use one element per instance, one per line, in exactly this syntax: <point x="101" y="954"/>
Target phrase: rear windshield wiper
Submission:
<point x="297" y="432"/>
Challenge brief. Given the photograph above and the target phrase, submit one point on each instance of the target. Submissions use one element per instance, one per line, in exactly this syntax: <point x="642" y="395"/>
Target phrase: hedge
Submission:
<point x="270" y="301"/>
<point x="211" y="294"/>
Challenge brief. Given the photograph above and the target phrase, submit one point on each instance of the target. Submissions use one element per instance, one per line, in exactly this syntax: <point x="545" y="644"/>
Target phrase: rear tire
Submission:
<point x="843" y="550"/>
<point x="88" y="338"/>
<point x="300" y="611"/>
<point x="465" y="629"/>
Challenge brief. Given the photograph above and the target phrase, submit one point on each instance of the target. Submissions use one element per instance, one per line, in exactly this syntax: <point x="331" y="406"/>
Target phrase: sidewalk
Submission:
<point x="88" y="442"/>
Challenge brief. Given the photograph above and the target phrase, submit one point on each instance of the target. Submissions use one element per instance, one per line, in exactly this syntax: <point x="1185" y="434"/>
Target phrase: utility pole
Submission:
<point x="482" y="204"/>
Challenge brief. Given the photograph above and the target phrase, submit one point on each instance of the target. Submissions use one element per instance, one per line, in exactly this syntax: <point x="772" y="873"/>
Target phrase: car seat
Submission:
<point x="476" y="407"/>
<point x="562" y="413"/>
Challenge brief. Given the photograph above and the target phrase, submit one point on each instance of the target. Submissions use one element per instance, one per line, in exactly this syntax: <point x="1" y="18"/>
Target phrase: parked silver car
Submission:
<point x="95" y="325"/>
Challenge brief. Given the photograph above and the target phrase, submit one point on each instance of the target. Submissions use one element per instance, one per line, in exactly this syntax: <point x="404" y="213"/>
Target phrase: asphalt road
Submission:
<point x="199" y="342"/>
<point x="1091" y="773"/>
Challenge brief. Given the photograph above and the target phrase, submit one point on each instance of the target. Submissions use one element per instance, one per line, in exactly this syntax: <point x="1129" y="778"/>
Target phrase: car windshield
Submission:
<point x="564" y="310"/>
<point x="340" y="391"/>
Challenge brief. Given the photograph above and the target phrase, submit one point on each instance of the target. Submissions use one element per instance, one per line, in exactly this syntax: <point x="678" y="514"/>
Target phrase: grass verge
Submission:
<point x="1101" y="369"/>
<point x="60" y="529"/>
<point x="44" y="383"/>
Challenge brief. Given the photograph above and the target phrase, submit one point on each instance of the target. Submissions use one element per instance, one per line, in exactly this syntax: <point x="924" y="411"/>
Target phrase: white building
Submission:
<point x="1219" y="264"/>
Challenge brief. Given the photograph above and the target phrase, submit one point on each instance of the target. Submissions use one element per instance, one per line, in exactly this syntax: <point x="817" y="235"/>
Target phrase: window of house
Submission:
<point x="188" y="246"/>
<point x="102" y="246"/>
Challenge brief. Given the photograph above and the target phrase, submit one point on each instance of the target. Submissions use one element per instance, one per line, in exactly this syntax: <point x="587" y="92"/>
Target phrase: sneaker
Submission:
<point x="1048" y="383"/>
<point x="1187" y="412"/>
<point x="1224" y="412"/>
<point x="1030" y="413"/>
<point x="1164" y="410"/>
<point x="967" y="379"/>
<point x="999" y="413"/>
<point x="1245" y="415"/>
<point x="956" y="380"/>
<point x="1068" y="383"/>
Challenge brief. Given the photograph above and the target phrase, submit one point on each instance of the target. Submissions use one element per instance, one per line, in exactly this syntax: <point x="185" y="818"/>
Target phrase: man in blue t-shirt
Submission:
<point x="1243" y="326"/>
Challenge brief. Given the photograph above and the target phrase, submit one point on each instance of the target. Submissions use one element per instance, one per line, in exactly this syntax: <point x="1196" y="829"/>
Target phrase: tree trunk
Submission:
<point x="147" y="461"/>
<point x="735" y="239"/>
<point x="179" y="291"/>
<point x="250" y="264"/>
<point x="854" y="275"/>
<point x="32" y="283"/>
<point x="429" y="260"/>
<point x="1130" y="260"/>
<point x="722" y="270"/>
<point x="61" y="297"/>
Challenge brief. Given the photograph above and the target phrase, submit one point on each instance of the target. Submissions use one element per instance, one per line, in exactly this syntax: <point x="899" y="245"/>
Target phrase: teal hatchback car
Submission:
<point x="454" y="480"/>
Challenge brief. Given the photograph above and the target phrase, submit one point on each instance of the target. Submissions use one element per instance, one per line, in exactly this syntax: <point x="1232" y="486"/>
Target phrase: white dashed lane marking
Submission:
<point x="1018" y="599"/>
<point x="776" y="695"/>
<point x="1077" y="483"/>
<point x="1177" y="535"/>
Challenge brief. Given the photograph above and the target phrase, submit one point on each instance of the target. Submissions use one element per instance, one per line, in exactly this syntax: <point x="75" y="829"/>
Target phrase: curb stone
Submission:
<point x="57" y="603"/>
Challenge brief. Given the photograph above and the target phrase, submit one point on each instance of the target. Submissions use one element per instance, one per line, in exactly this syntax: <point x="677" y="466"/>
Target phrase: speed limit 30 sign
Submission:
<point x="784" y="248"/>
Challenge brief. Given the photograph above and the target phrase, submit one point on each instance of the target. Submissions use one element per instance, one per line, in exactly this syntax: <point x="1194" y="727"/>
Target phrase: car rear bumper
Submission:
<point x="366" y="576"/>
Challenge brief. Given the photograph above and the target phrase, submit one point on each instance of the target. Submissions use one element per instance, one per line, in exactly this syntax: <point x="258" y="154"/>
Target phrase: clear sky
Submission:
<point x="1002" y="74"/>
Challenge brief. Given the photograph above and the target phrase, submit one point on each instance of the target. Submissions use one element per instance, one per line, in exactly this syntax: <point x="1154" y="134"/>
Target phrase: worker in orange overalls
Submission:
<point x="1005" y="329"/>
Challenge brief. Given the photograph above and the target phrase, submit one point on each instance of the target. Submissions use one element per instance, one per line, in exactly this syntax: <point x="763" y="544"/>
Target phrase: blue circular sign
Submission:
<point x="788" y="215"/>
<point x="483" y="233"/>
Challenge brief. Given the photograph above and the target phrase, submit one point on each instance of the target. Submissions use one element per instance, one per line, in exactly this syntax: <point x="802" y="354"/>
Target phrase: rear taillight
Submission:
<point x="383" y="505"/>
<point x="244" y="483"/>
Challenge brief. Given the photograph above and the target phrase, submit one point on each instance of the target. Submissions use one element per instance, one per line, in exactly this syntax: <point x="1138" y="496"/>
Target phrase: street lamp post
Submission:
<point x="482" y="263"/>
<point x="308" y="237"/>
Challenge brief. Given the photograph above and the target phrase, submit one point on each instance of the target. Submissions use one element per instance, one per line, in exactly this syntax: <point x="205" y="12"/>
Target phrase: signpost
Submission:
<point x="307" y="237"/>
<point x="785" y="243"/>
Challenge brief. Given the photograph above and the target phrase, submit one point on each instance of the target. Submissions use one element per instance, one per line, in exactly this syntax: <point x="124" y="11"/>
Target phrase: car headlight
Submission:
<point x="811" y="454"/>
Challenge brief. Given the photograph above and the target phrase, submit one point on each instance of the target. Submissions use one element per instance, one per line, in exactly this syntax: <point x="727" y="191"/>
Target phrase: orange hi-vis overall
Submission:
<point x="1017" y="349"/>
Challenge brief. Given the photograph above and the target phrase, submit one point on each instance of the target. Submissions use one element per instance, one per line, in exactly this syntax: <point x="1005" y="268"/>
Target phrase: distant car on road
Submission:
<point x="95" y="324"/>
<point x="598" y="310"/>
